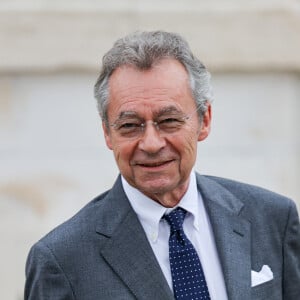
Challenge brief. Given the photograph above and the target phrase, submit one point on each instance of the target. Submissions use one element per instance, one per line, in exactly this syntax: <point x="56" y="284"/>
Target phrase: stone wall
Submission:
<point x="53" y="159"/>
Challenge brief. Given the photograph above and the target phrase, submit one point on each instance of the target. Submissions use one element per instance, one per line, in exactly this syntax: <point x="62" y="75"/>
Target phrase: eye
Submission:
<point x="170" y="122"/>
<point x="129" y="125"/>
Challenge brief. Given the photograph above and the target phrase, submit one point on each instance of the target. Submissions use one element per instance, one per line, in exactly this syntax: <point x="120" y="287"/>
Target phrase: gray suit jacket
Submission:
<point x="103" y="253"/>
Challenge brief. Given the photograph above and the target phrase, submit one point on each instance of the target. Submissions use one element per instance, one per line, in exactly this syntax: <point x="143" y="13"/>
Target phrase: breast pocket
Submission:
<point x="269" y="290"/>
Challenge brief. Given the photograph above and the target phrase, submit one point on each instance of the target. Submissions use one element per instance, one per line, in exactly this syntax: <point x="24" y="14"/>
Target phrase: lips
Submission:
<point x="152" y="164"/>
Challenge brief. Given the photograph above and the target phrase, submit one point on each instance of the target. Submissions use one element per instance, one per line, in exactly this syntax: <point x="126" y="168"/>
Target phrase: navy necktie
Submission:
<point x="187" y="274"/>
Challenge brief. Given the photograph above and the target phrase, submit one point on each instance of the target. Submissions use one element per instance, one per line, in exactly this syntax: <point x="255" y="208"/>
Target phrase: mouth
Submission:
<point x="154" y="165"/>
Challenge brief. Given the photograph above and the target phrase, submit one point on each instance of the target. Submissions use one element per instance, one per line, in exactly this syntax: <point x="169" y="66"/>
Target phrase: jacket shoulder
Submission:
<point x="249" y="193"/>
<point x="77" y="227"/>
<point x="238" y="185"/>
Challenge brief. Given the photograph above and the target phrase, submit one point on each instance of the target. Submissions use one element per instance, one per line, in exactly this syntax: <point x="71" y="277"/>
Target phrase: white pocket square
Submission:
<point x="264" y="275"/>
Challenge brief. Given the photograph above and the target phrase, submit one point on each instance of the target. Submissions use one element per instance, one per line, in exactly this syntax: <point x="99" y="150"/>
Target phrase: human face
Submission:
<point x="156" y="163"/>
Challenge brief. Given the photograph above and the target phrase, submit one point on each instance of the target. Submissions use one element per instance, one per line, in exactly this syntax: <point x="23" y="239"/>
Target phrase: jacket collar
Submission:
<point x="232" y="236"/>
<point x="127" y="250"/>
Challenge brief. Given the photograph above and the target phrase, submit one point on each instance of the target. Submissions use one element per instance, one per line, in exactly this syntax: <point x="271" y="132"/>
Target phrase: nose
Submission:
<point x="151" y="141"/>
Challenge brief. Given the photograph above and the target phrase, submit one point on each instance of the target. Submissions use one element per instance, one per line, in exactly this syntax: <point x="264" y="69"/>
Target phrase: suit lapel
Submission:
<point x="130" y="255"/>
<point x="232" y="236"/>
<point x="127" y="249"/>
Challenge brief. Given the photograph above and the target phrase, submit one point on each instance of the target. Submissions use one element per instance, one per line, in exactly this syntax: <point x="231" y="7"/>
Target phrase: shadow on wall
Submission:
<point x="35" y="192"/>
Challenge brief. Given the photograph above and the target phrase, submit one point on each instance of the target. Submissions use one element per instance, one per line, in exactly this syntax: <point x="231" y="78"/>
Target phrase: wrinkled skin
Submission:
<point x="156" y="164"/>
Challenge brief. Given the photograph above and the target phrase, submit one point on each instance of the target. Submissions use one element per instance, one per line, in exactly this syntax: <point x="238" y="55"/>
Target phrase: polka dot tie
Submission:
<point x="187" y="274"/>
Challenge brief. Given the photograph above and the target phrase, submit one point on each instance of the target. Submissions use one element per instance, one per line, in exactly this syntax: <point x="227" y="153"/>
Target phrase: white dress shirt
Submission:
<point x="196" y="226"/>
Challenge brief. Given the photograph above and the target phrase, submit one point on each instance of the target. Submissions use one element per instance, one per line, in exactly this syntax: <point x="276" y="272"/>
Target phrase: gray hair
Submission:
<point x="145" y="49"/>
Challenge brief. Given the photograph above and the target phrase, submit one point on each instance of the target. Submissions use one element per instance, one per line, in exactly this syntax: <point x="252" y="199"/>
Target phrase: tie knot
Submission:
<point x="176" y="218"/>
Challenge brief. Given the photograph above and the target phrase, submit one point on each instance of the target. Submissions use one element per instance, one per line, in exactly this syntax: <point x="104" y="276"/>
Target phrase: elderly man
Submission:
<point x="163" y="231"/>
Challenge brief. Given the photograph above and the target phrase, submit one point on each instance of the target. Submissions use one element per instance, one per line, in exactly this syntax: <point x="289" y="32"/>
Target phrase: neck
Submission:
<point x="170" y="199"/>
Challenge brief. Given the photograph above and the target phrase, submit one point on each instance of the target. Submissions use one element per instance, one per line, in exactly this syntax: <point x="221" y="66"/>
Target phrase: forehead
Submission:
<point x="164" y="85"/>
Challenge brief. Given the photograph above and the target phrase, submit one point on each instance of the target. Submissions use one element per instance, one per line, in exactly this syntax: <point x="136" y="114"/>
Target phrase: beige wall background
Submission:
<point x="53" y="159"/>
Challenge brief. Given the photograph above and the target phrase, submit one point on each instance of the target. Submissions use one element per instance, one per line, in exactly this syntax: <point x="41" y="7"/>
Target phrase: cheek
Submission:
<point x="192" y="138"/>
<point x="123" y="152"/>
<point x="186" y="147"/>
<point x="189" y="156"/>
<point x="190" y="144"/>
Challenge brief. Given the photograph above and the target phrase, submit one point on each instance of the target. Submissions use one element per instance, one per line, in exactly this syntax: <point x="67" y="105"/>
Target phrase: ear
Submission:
<point x="205" y="124"/>
<point x="107" y="136"/>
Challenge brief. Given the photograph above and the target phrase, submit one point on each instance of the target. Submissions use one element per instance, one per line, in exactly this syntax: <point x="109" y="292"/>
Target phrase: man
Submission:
<point x="164" y="231"/>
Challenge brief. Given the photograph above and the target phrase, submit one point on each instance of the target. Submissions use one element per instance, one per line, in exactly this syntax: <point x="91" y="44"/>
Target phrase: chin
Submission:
<point x="152" y="187"/>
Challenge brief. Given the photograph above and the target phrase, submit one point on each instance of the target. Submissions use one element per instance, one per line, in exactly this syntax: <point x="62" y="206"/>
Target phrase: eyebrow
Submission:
<point x="165" y="110"/>
<point x="126" y="114"/>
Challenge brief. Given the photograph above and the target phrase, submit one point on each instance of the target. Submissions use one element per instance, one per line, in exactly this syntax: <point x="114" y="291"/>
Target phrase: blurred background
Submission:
<point x="53" y="159"/>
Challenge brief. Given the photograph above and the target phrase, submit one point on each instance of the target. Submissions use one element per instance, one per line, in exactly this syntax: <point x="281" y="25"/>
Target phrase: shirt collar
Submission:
<point x="150" y="212"/>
